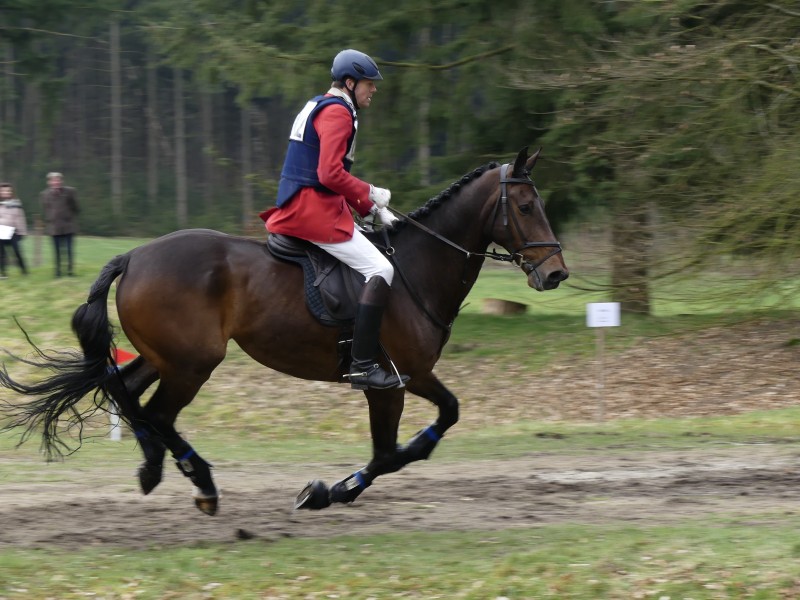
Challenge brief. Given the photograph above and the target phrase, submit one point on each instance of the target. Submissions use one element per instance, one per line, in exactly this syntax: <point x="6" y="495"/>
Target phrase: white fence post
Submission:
<point x="601" y="315"/>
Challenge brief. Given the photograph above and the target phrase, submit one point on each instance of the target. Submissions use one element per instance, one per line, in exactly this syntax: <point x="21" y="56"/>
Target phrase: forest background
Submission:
<point x="669" y="127"/>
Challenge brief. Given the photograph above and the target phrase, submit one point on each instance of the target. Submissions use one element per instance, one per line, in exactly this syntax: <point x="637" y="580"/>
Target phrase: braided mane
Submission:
<point x="435" y="202"/>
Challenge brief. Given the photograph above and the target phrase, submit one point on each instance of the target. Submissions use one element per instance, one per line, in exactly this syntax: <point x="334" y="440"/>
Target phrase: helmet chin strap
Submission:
<point x="352" y="94"/>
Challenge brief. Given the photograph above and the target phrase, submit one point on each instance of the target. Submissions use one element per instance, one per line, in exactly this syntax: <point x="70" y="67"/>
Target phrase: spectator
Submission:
<point x="60" y="211"/>
<point x="13" y="227"/>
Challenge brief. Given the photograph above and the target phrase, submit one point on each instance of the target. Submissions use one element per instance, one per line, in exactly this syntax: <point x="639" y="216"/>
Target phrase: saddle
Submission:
<point x="331" y="287"/>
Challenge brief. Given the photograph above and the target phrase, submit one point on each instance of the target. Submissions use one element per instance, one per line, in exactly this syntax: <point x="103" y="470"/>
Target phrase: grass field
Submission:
<point x="698" y="560"/>
<point x="702" y="556"/>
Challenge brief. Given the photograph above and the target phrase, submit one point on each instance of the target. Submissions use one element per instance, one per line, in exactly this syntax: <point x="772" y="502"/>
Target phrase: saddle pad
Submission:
<point x="331" y="288"/>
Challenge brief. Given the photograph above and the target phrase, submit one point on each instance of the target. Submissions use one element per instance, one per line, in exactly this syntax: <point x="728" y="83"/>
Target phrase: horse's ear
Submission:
<point x="519" y="163"/>
<point x="532" y="160"/>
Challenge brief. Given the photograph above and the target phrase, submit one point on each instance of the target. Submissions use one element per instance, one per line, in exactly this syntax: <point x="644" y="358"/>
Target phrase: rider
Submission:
<point x="317" y="191"/>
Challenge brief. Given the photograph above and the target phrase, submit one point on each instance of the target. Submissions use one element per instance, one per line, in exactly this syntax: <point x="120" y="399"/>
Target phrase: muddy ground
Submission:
<point x="724" y="372"/>
<point x="635" y="487"/>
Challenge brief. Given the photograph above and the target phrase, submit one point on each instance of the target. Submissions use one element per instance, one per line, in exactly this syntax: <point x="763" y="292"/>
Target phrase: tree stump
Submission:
<point x="496" y="306"/>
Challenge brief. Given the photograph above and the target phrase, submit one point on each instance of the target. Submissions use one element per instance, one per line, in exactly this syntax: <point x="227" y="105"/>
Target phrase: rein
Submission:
<point x="516" y="257"/>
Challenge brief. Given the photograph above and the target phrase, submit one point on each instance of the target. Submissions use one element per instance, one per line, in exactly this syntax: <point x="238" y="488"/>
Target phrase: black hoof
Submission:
<point x="315" y="496"/>
<point x="149" y="477"/>
<point x="207" y="504"/>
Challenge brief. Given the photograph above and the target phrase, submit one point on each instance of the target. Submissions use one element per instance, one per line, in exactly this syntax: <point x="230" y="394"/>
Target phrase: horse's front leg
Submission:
<point x="385" y="410"/>
<point x="422" y="444"/>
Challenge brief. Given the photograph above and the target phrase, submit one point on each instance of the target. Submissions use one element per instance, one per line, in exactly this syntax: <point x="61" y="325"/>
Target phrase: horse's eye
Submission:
<point x="526" y="209"/>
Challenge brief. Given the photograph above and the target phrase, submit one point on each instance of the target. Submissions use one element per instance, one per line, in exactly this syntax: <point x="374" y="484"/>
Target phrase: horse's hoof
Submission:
<point x="149" y="477"/>
<point x="206" y="503"/>
<point x="315" y="496"/>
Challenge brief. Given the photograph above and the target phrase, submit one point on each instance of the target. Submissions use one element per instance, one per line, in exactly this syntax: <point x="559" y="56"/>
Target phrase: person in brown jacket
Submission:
<point x="60" y="211"/>
<point x="13" y="227"/>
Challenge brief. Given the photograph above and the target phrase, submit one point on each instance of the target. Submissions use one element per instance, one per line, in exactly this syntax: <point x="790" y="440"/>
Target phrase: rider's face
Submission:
<point x="363" y="91"/>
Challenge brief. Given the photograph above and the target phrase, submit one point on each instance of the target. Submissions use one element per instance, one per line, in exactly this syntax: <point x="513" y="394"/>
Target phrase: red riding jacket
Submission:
<point x="317" y="215"/>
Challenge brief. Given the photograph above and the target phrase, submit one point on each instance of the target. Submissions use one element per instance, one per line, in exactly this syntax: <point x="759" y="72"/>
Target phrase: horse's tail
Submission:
<point x="74" y="374"/>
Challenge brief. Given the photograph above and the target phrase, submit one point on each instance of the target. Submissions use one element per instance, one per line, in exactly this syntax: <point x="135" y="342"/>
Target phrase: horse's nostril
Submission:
<point x="558" y="276"/>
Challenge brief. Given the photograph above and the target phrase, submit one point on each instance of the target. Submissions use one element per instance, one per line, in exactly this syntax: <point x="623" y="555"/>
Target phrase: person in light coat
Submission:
<point x="13" y="225"/>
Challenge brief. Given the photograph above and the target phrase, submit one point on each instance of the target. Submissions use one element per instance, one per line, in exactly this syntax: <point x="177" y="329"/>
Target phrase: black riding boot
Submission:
<point x="365" y="372"/>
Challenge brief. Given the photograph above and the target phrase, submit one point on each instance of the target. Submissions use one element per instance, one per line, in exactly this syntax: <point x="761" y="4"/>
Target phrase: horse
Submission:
<point x="180" y="298"/>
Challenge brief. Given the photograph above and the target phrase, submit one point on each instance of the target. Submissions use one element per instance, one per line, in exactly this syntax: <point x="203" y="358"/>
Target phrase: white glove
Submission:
<point x="386" y="216"/>
<point x="379" y="196"/>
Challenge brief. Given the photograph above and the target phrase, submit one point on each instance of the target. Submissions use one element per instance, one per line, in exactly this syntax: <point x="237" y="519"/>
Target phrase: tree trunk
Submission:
<point x="31" y="117"/>
<point x="247" y="167"/>
<point x="424" y="115"/>
<point x="181" y="188"/>
<point x="83" y="109"/>
<point x="8" y="114"/>
<point x="207" y="131"/>
<point x="152" y="129"/>
<point x="4" y="95"/>
<point x="631" y="238"/>
<point x="116" y="121"/>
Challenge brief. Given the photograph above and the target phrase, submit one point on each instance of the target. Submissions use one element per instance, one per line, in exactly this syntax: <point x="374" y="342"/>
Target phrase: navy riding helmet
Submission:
<point x="355" y="64"/>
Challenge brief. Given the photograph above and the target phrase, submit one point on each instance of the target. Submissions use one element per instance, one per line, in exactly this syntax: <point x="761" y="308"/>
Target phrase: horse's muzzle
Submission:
<point x="541" y="282"/>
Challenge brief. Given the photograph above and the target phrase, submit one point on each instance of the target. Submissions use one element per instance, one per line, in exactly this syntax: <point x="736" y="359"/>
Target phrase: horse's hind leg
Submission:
<point x="126" y="386"/>
<point x="171" y="396"/>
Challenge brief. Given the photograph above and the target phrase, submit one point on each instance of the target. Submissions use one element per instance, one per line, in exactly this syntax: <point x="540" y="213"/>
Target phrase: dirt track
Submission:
<point x="721" y="372"/>
<point x="637" y="487"/>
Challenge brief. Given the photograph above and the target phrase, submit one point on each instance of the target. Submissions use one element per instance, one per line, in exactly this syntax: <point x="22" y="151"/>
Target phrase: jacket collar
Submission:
<point x="343" y="95"/>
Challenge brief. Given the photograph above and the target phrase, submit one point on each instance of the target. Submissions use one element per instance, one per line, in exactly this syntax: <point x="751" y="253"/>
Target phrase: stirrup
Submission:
<point x="393" y="380"/>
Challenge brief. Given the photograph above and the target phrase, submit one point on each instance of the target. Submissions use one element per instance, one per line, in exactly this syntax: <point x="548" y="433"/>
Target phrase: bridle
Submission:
<point x="500" y="207"/>
<point x="516" y="257"/>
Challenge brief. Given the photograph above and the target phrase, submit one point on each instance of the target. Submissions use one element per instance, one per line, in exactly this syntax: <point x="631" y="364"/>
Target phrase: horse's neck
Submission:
<point x="439" y="273"/>
<point x="462" y="218"/>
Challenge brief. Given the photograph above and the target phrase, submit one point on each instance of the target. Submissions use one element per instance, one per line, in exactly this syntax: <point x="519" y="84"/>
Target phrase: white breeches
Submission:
<point x="360" y="254"/>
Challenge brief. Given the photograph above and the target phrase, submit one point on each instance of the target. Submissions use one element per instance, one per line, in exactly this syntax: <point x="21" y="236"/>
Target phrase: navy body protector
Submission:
<point x="302" y="156"/>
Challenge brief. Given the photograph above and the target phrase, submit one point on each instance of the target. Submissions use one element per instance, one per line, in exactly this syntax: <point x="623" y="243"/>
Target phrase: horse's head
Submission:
<point x="519" y="224"/>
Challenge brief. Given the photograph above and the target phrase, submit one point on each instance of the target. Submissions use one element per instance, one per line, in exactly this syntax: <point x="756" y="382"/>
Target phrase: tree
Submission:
<point x="116" y="120"/>
<point x="151" y="119"/>
<point x="181" y="184"/>
<point x="662" y="107"/>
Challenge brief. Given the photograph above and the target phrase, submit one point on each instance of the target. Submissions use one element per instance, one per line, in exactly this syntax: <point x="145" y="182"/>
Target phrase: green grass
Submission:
<point x="698" y="560"/>
<point x="552" y="330"/>
<point x="522" y="438"/>
<point x="709" y="558"/>
<point x="555" y="323"/>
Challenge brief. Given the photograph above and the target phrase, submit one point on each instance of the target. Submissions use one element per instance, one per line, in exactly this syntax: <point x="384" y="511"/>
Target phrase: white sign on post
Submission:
<point x="602" y="315"/>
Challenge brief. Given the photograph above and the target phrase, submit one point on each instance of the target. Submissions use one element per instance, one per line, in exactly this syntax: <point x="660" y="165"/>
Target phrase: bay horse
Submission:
<point x="181" y="298"/>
